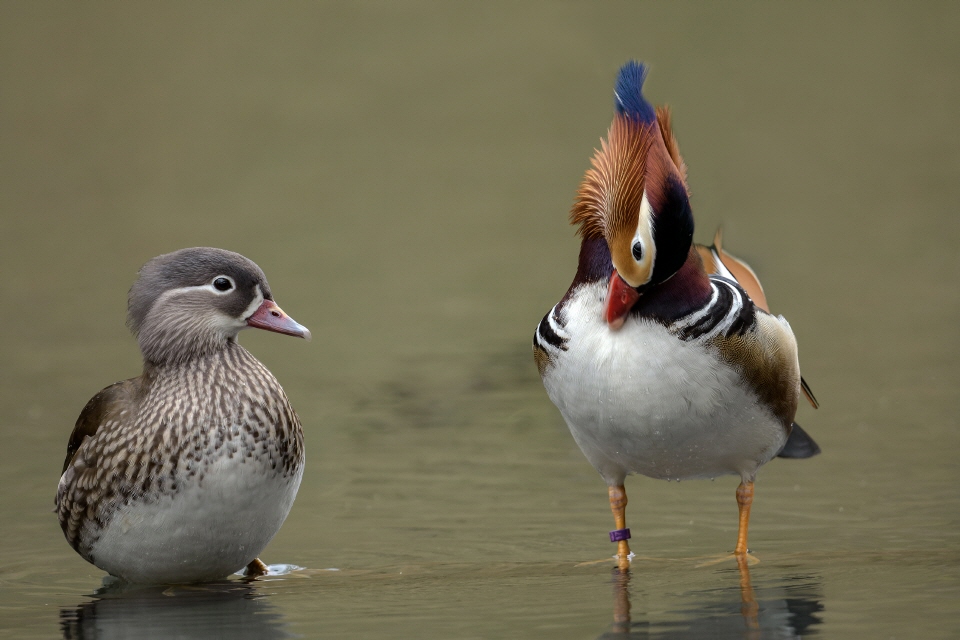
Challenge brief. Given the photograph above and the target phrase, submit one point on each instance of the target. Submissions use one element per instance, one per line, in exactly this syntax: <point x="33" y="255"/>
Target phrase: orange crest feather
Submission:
<point x="609" y="197"/>
<point x="666" y="130"/>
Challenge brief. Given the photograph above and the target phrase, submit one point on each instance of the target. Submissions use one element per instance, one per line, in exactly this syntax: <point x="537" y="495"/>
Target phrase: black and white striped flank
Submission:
<point x="730" y="312"/>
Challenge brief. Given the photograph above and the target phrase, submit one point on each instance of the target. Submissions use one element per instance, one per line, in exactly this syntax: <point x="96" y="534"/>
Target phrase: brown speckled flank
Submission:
<point x="193" y="414"/>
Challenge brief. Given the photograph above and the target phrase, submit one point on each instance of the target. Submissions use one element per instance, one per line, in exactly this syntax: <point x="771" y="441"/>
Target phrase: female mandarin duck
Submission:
<point x="659" y="367"/>
<point x="185" y="473"/>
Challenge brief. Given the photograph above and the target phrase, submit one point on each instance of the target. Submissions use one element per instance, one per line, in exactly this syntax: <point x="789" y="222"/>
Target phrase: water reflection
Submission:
<point x="786" y="610"/>
<point x="224" y="609"/>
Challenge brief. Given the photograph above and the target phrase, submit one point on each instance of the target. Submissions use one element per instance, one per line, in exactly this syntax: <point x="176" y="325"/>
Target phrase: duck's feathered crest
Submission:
<point x="639" y="148"/>
<point x="666" y="130"/>
<point x="609" y="196"/>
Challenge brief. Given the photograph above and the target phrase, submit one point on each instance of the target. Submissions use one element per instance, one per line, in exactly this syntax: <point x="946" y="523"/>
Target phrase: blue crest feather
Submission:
<point x="628" y="95"/>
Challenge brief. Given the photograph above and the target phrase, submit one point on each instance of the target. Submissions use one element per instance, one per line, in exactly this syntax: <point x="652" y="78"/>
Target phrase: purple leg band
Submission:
<point x="619" y="534"/>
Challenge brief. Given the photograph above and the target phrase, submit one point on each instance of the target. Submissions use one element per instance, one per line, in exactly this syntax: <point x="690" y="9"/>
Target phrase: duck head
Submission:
<point x="193" y="302"/>
<point x="635" y="198"/>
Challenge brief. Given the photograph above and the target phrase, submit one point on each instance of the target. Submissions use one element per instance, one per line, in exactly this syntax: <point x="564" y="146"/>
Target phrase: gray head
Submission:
<point x="193" y="302"/>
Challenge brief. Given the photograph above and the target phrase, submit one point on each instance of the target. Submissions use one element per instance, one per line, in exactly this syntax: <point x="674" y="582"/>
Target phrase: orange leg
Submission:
<point x="744" y="500"/>
<point x="618" y="504"/>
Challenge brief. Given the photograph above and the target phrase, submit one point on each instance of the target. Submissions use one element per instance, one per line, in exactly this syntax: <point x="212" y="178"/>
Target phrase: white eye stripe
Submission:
<point x="644" y="234"/>
<point x="206" y="287"/>
<point x="203" y="287"/>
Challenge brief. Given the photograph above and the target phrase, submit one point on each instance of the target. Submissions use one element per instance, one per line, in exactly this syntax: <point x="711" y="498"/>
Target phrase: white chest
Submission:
<point x="213" y="525"/>
<point x="641" y="400"/>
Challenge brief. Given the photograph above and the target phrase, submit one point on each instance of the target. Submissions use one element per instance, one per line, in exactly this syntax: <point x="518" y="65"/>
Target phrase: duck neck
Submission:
<point x="594" y="264"/>
<point x="181" y="343"/>
<point x="684" y="292"/>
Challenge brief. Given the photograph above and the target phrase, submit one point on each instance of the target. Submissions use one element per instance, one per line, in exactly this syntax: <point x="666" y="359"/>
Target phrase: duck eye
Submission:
<point x="222" y="284"/>
<point x="637" y="251"/>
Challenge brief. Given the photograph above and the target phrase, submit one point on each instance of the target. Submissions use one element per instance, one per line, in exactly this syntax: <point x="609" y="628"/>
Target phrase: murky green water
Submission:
<point x="403" y="174"/>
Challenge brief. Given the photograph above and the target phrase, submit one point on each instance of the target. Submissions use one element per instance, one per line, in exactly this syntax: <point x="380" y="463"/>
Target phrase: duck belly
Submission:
<point x="641" y="400"/>
<point x="206" y="526"/>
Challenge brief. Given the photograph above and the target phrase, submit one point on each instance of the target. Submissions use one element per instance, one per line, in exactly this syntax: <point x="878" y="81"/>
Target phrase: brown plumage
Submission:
<point x="716" y="259"/>
<point x="185" y="472"/>
<point x="141" y="438"/>
<point x="609" y="196"/>
<point x="664" y="121"/>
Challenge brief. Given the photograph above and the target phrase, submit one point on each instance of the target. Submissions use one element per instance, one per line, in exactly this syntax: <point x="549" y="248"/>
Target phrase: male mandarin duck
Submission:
<point x="186" y="472"/>
<point x="662" y="356"/>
